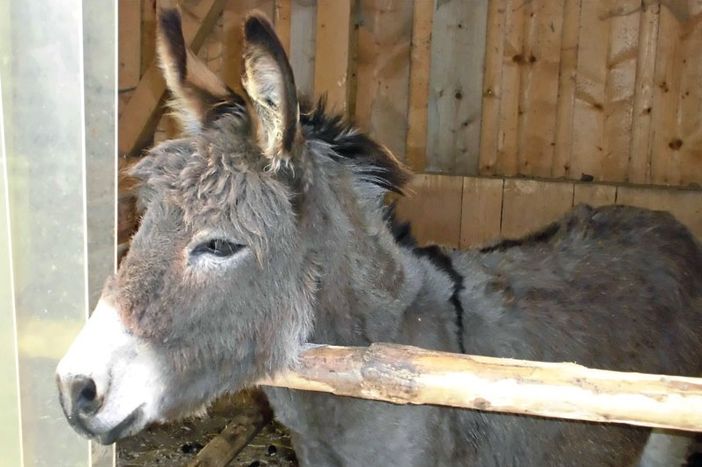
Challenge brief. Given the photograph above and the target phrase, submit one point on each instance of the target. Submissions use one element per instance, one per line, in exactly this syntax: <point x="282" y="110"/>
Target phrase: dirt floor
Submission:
<point x="177" y="444"/>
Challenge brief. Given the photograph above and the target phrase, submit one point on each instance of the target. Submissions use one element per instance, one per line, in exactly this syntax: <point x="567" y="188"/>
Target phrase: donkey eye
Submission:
<point x="217" y="247"/>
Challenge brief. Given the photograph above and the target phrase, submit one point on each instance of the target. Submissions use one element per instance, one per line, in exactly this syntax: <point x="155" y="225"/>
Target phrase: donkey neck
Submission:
<point x="366" y="280"/>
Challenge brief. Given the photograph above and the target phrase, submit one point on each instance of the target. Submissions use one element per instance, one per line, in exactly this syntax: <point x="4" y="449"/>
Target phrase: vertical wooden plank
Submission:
<point x="639" y="170"/>
<point x="351" y="84"/>
<point x="481" y="210"/>
<point x="665" y="163"/>
<point x="590" y="87"/>
<point x="331" y="68"/>
<point x="566" y="89"/>
<point x="594" y="195"/>
<point x="619" y="90"/>
<point x="455" y="96"/>
<point x="148" y="33"/>
<point x="283" y="22"/>
<point x="303" y="31"/>
<point x="513" y="50"/>
<point x="382" y="71"/>
<point x="420" y="66"/>
<point x="685" y="205"/>
<point x="689" y="116"/>
<point x="539" y="88"/>
<point x="492" y="85"/>
<point x="233" y="17"/>
<point x="129" y="44"/>
<point x="434" y="208"/>
<point x="529" y="205"/>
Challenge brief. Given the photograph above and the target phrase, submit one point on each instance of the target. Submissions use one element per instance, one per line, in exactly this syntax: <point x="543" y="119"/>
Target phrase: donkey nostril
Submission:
<point x="89" y="392"/>
<point x="84" y="395"/>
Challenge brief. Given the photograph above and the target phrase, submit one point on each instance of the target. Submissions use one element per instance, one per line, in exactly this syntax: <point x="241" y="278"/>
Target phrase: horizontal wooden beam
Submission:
<point x="410" y="375"/>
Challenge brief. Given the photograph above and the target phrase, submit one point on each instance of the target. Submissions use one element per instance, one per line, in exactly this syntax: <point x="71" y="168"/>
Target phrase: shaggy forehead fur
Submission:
<point x="216" y="178"/>
<point x="220" y="174"/>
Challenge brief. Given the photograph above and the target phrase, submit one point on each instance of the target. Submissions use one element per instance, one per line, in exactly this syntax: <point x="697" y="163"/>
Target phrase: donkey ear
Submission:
<point x="195" y="89"/>
<point x="268" y="80"/>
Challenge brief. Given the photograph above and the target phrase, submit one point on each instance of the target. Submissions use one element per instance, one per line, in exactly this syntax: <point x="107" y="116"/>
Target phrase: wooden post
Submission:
<point x="409" y="375"/>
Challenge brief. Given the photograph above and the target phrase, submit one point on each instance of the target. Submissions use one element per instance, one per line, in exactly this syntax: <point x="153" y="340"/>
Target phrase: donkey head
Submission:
<point x="218" y="286"/>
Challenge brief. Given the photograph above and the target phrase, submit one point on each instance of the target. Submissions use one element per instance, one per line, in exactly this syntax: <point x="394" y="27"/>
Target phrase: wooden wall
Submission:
<point x="462" y="212"/>
<point x="602" y="96"/>
<point x="594" y="89"/>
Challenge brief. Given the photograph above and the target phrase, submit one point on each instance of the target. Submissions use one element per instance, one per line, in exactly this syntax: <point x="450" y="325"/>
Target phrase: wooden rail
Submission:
<point x="410" y="375"/>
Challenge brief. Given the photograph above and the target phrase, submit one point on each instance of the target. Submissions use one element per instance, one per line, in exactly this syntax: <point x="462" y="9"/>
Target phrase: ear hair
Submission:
<point x="269" y="83"/>
<point x="194" y="88"/>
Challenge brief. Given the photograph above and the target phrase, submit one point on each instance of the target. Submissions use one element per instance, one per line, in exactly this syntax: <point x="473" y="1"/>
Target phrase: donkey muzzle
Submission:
<point x="107" y="379"/>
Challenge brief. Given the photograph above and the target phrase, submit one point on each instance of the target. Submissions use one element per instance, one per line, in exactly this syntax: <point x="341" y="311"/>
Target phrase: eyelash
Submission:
<point x="217" y="247"/>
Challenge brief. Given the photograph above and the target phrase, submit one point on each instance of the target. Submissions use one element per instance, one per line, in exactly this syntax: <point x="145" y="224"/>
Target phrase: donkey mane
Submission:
<point x="370" y="161"/>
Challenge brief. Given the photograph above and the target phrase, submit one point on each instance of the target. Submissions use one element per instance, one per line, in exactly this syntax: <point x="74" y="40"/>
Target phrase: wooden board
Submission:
<point x="148" y="33"/>
<point x="420" y="66"/>
<point x="497" y="88"/>
<point x="563" y="144"/>
<point x="455" y="96"/>
<point x="530" y="204"/>
<point x="302" y="49"/>
<point x="382" y="71"/>
<point x="538" y="98"/>
<point x="685" y="205"/>
<point x="594" y="195"/>
<point x="282" y="18"/>
<point x="492" y="86"/>
<point x="689" y="115"/>
<point x="620" y="87"/>
<point x="590" y="95"/>
<point x="665" y="164"/>
<point x="331" y="68"/>
<point x="512" y="60"/>
<point x="434" y="208"/>
<point x="481" y="210"/>
<point x="129" y="44"/>
<point x="639" y="170"/>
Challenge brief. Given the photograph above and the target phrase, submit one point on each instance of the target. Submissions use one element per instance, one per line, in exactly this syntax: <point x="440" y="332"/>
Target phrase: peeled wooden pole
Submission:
<point x="410" y="375"/>
<point x="220" y="451"/>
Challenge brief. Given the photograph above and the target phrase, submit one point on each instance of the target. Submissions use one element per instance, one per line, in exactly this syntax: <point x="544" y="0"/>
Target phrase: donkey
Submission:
<point x="265" y="227"/>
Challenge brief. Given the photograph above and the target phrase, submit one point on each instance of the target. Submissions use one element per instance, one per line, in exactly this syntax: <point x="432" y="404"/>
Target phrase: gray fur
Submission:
<point x="612" y="287"/>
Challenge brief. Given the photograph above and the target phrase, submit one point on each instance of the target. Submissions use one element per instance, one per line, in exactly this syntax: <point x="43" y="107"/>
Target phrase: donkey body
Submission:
<point x="265" y="228"/>
<point x="613" y="287"/>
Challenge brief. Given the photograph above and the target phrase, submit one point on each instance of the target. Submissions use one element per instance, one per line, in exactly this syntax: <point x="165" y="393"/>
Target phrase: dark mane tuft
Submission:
<point x="372" y="162"/>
